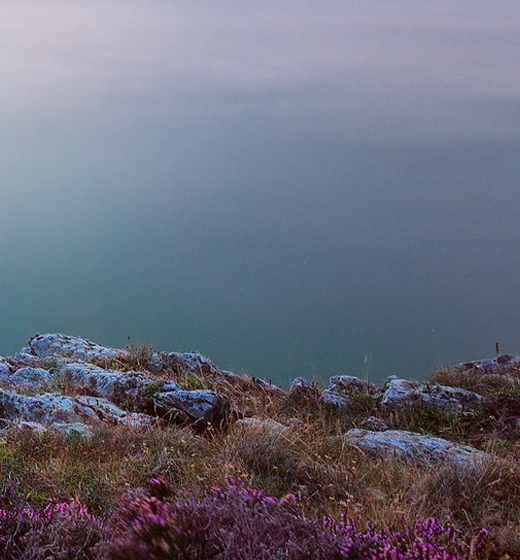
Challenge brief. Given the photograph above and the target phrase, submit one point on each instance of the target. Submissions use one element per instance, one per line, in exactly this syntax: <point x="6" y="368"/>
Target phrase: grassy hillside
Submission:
<point x="262" y="490"/>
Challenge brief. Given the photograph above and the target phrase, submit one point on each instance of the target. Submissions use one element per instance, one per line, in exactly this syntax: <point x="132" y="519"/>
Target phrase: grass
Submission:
<point x="310" y="460"/>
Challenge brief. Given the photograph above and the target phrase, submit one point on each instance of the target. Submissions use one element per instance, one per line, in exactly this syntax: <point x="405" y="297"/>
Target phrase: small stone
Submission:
<point x="374" y="424"/>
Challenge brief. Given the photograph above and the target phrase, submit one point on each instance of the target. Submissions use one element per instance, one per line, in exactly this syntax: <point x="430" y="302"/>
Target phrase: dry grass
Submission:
<point x="309" y="459"/>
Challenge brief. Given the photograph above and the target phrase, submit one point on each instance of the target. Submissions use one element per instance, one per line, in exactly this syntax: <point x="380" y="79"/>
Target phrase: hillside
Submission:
<point x="129" y="453"/>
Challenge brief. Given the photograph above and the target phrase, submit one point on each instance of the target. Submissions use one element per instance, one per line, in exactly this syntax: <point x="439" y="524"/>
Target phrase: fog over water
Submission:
<point x="290" y="188"/>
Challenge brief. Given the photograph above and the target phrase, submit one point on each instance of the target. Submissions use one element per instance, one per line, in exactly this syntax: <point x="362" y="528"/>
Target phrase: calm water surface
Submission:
<point x="297" y="188"/>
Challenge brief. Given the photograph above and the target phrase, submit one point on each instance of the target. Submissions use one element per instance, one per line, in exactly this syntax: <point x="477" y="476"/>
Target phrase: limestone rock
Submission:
<point x="410" y="446"/>
<point x="401" y="393"/>
<point x="27" y="376"/>
<point x="502" y="365"/>
<point x="452" y="399"/>
<point x="5" y="370"/>
<point x="113" y="385"/>
<point x="201" y="407"/>
<point x="349" y="385"/>
<point x="335" y="400"/>
<point x="341" y="388"/>
<point x="49" y="408"/>
<point x="45" y="346"/>
<point x="72" y="428"/>
<point x="303" y="390"/>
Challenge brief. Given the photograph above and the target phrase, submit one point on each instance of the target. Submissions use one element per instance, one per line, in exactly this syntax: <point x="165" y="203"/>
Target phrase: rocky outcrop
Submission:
<point x="82" y="368"/>
<point x="374" y="424"/>
<point x="410" y="446"/>
<point x="136" y="388"/>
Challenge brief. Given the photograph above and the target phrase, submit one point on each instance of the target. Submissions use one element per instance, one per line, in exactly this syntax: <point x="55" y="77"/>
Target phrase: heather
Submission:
<point x="275" y="474"/>
<point x="234" y="522"/>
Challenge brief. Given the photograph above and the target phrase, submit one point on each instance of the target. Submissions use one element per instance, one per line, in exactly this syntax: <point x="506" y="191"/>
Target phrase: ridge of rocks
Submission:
<point x="69" y="384"/>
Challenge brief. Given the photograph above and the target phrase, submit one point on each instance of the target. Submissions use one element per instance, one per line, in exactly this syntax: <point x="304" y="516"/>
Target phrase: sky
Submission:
<point x="297" y="188"/>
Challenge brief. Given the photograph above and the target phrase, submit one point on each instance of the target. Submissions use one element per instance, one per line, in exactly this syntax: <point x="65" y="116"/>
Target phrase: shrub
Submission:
<point x="237" y="522"/>
<point x="59" y="531"/>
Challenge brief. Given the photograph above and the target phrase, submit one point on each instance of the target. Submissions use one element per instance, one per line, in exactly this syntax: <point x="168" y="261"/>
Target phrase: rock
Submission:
<point x="45" y="346"/>
<point x="401" y="393"/>
<point x="50" y="408"/>
<point x="502" y="364"/>
<point x="170" y="386"/>
<point x="267" y="386"/>
<point x="27" y="376"/>
<point x="410" y="446"/>
<point x="334" y="400"/>
<point x="187" y="363"/>
<point x="113" y="385"/>
<point x="341" y="388"/>
<point x="71" y="429"/>
<point x="450" y="399"/>
<point x="200" y="407"/>
<point x="5" y="370"/>
<point x="349" y="385"/>
<point x="105" y="411"/>
<point x="374" y="424"/>
<point x="262" y="424"/>
<point x="303" y="390"/>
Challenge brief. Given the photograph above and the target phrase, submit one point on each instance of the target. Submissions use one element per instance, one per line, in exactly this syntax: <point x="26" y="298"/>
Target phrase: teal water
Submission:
<point x="307" y="190"/>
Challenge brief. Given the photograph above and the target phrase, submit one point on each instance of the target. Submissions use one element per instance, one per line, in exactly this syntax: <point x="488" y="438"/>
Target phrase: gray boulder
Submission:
<point x="45" y="346"/>
<point x="200" y="407"/>
<point x="332" y="399"/>
<point x="5" y="370"/>
<point x="27" y="376"/>
<point x="113" y="385"/>
<point x="189" y="363"/>
<point x="342" y="388"/>
<point x="410" y="446"/>
<point x="502" y="365"/>
<point x="50" y="408"/>
<point x="303" y="390"/>
<point x="451" y="399"/>
<point x="349" y="385"/>
<point x="400" y="393"/>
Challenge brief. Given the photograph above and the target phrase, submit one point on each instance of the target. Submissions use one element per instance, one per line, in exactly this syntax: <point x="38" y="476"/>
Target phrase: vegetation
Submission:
<point x="167" y="492"/>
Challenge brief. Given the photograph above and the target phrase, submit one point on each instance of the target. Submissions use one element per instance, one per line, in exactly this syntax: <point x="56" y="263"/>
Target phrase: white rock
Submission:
<point x="113" y="385"/>
<point x="414" y="447"/>
<point x="74" y="348"/>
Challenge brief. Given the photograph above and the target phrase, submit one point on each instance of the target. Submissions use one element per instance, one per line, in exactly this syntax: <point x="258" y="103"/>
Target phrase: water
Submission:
<point x="307" y="189"/>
